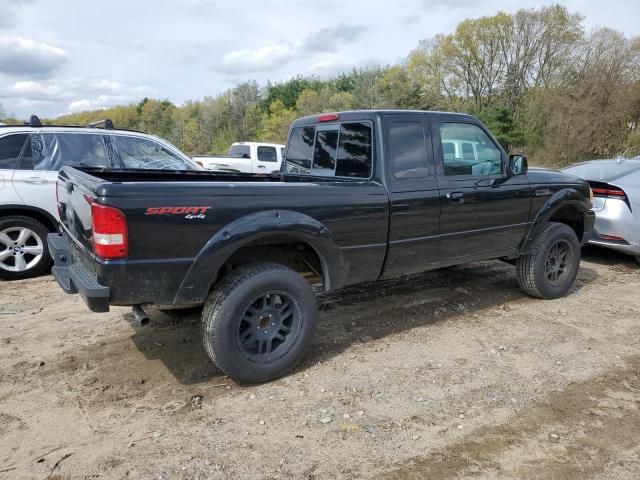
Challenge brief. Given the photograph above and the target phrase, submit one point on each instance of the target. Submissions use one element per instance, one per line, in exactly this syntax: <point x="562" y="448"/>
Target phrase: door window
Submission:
<point x="408" y="149"/>
<point x="468" y="150"/>
<point x="267" y="154"/>
<point x="54" y="150"/>
<point x="10" y="148"/>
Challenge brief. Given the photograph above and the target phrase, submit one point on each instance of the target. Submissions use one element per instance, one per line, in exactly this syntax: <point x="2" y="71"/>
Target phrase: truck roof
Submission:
<point x="351" y="114"/>
<point x="265" y="144"/>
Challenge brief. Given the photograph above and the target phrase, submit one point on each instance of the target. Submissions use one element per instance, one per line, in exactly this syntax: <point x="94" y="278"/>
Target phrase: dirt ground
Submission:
<point x="450" y="374"/>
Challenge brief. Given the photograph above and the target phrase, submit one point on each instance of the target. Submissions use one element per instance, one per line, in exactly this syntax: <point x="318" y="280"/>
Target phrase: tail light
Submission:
<point x="601" y="189"/>
<point x="199" y="162"/>
<point x="609" y="192"/>
<point x="109" y="226"/>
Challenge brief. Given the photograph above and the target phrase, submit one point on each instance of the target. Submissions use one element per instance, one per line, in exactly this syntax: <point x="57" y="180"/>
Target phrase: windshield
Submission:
<point x="603" y="170"/>
<point x="240" y="151"/>
<point x="135" y="152"/>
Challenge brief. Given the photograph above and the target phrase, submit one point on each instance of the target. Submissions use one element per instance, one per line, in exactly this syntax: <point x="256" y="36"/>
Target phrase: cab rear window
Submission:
<point x="338" y="150"/>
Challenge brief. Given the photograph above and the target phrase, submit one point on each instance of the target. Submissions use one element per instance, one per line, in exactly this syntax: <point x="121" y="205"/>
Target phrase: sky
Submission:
<point x="58" y="57"/>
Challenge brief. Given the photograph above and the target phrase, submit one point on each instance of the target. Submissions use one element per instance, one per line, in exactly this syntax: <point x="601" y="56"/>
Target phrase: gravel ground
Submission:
<point x="450" y="374"/>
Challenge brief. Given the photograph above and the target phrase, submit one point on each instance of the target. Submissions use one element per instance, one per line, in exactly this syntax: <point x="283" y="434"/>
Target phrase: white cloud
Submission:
<point x="271" y="57"/>
<point x="25" y="57"/>
<point x="261" y="59"/>
<point x="78" y="93"/>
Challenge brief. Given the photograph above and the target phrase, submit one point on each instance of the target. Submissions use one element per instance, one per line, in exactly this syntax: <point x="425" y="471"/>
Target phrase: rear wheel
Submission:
<point x="550" y="270"/>
<point x="23" y="248"/>
<point x="259" y="321"/>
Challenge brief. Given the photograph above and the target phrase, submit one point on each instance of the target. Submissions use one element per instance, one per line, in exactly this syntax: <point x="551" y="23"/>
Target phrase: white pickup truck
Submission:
<point x="246" y="157"/>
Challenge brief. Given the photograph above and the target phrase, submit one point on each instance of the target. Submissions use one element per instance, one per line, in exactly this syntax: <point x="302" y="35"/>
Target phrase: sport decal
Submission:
<point x="188" y="212"/>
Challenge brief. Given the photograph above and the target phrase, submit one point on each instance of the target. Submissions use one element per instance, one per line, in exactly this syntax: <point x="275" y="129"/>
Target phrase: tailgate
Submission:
<point x="74" y="190"/>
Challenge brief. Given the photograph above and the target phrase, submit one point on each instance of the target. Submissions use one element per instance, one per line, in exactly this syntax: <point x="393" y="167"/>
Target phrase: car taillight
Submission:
<point x="109" y="226"/>
<point x="609" y="192"/>
<point x="605" y="190"/>
<point x="199" y="163"/>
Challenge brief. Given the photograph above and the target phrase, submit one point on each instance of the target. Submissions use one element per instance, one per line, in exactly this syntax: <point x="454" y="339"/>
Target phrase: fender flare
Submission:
<point x="204" y="269"/>
<point x="560" y="199"/>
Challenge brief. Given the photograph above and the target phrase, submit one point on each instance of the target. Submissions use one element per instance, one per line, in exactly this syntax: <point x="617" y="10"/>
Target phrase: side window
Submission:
<point x="408" y="149"/>
<point x="468" y="150"/>
<point x="52" y="151"/>
<point x="136" y="153"/>
<point x="267" y="154"/>
<point x="282" y="153"/>
<point x="10" y="148"/>
<point x="354" y="151"/>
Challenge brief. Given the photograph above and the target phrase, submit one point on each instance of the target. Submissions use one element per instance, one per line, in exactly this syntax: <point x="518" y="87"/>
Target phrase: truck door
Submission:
<point x="482" y="209"/>
<point x="10" y="147"/>
<point x="414" y="197"/>
<point x="266" y="159"/>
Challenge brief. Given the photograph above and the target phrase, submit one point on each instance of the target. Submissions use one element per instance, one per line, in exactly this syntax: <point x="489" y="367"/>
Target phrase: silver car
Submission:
<point x="616" y="190"/>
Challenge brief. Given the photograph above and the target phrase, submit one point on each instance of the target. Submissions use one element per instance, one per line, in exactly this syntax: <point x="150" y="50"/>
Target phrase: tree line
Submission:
<point x="537" y="78"/>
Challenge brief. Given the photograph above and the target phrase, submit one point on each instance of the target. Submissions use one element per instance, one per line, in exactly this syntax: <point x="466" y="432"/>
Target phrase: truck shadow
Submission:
<point x="354" y="315"/>
<point x="608" y="257"/>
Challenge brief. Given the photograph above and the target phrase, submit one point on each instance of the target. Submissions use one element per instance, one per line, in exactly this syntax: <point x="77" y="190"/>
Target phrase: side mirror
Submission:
<point x="518" y="165"/>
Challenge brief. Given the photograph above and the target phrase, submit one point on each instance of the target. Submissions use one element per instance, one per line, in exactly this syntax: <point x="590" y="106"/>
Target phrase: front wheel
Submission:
<point x="259" y="321"/>
<point x="23" y="248"/>
<point x="550" y="270"/>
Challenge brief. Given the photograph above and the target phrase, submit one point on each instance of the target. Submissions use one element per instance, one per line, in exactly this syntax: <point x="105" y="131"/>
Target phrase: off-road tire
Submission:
<point x="531" y="269"/>
<point x="225" y="308"/>
<point x="20" y="221"/>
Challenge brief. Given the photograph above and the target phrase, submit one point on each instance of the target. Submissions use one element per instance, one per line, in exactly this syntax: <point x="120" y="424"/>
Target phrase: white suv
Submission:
<point x="30" y="157"/>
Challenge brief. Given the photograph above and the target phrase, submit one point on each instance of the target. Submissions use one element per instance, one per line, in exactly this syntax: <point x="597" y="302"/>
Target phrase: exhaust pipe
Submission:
<point x="140" y="316"/>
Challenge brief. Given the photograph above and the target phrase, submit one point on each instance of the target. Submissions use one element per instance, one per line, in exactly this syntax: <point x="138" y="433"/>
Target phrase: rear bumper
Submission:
<point x="617" y="226"/>
<point x="75" y="277"/>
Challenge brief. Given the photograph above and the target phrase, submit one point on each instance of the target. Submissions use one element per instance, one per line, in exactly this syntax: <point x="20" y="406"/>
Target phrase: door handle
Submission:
<point x="261" y="166"/>
<point x="34" y="180"/>
<point x="455" y="197"/>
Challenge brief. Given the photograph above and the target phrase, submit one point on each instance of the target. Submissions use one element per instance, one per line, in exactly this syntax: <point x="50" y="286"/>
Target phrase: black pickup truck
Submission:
<point x="361" y="196"/>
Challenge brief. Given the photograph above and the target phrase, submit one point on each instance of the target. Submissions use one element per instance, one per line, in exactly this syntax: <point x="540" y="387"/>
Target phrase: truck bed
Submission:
<point x="178" y="225"/>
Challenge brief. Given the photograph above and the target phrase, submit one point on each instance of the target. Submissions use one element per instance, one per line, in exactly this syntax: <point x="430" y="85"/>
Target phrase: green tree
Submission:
<point x="275" y="125"/>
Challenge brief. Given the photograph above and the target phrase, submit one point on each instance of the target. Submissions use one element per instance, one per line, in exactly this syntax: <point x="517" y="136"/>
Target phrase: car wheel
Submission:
<point x="550" y="270"/>
<point x="23" y="248"/>
<point x="259" y="321"/>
